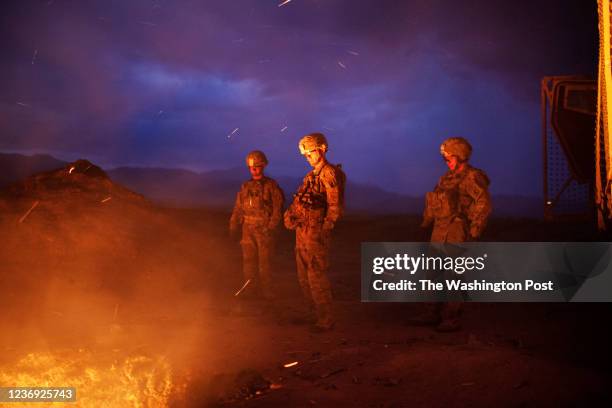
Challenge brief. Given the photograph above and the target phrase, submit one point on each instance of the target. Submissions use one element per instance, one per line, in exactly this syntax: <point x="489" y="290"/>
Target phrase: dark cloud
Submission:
<point x="165" y="82"/>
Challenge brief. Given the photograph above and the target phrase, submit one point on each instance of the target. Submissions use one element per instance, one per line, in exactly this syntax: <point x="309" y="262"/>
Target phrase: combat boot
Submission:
<point x="267" y="293"/>
<point x="449" y="326"/>
<point x="425" y="319"/>
<point x="430" y="317"/>
<point x="451" y="313"/>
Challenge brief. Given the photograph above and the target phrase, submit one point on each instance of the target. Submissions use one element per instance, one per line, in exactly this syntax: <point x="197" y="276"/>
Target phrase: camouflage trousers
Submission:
<point x="312" y="245"/>
<point x="449" y="230"/>
<point x="452" y="230"/>
<point x="257" y="248"/>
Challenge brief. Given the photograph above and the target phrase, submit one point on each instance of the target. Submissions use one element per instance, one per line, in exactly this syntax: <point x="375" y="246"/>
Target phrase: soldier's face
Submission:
<point x="452" y="162"/>
<point x="256" y="172"/>
<point x="314" y="157"/>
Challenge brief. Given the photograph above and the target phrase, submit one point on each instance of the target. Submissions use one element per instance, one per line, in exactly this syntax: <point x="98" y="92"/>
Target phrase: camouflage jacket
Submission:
<point x="462" y="194"/>
<point x="320" y="198"/>
<point x="259" y="203"/>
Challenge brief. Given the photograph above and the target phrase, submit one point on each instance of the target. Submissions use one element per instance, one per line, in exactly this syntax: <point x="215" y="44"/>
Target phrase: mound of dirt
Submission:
<point x="77" y="184"/>
<point x="73" y="230"/>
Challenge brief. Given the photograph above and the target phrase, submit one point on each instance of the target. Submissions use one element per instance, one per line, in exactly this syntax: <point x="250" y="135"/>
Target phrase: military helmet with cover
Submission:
<point x="256" y="158"/>
<point x="312" y="142"/>
<point x="456" y="146"/>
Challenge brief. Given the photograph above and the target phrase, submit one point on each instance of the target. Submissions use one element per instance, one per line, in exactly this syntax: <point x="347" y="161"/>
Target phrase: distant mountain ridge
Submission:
<point x="217" y="188"/>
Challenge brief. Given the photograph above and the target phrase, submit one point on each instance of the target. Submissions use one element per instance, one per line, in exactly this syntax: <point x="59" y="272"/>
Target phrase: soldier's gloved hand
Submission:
<point x="290" y="220"/>
<point x="474" y="233"/>
<point x="328" y="225"/>
<point x="291" y="223"/>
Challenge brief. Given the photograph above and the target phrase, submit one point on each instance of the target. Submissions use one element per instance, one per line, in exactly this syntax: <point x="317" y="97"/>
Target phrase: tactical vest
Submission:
<point x="256" y="206"/>
<point x="312" y="196"/>
<point x="446" y="201"/>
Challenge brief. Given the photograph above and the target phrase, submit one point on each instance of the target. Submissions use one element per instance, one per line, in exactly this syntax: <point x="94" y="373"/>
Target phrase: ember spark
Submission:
<point x="243" y="287"/>
<point x="22" y="219"/>
<point x="231" y="134"/>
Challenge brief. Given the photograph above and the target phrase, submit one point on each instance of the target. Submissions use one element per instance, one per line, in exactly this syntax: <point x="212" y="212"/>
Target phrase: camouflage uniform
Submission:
<point x="459" y="208"/>
<point x="316" y="207"/>
<point x="258" y="208"/>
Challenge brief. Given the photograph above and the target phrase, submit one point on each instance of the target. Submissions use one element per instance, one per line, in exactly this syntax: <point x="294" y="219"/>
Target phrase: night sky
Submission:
<point x="167" y="83"/>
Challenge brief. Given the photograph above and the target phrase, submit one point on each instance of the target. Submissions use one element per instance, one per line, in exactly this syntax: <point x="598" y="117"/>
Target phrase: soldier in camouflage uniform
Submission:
<point x="258" y="209"/>
<point x="458" y="208"/>
<point x="316" y="208"/>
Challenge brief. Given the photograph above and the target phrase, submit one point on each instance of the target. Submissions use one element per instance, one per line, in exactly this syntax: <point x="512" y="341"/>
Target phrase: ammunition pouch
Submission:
<point x="440" y="204"/>
<point x="255" y="220"/>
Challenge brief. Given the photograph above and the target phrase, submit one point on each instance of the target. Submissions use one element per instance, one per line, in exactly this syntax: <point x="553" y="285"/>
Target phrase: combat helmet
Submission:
<point x="256" y="158"/>
<point x="456" y="146"/>
<point x="312" y="142"/>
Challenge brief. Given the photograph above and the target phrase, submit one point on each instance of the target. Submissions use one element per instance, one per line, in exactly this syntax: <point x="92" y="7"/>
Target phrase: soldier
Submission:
<point x="317" y="206"/>
<point x="458" y="208"/>
<point x="258" y="208"/>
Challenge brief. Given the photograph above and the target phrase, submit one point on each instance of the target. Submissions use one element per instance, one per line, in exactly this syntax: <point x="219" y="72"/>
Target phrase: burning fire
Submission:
<point x="136" y="381"/>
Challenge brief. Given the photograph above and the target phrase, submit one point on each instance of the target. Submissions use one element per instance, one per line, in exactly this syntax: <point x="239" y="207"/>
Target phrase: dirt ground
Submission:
<point x="122" y="279"/>
<point x="506" y="355"/>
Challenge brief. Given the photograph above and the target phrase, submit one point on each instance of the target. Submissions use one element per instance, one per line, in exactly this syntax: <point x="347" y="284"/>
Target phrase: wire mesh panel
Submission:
<point x="564" y="193"/>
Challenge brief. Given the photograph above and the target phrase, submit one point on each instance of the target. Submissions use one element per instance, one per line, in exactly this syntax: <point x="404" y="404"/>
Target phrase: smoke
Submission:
<point x="117" y="278"/>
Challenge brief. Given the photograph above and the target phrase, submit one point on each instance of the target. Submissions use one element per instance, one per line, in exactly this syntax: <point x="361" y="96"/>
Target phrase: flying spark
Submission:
<point x="283" y="3"/>
<point x="22" y="219"/>
<point x="341" y="65"/>
<point x="106" y="199"/>
<point x="23" y="104"/>
<point x="293" y="364"/>
<point x="71" y="170"/>
<point x="352" y="52"/>
<point x="243" y="287"/>
<point x="283" y="129"/>
<point x="231" y="134"/>
<point x="34" y="56"/>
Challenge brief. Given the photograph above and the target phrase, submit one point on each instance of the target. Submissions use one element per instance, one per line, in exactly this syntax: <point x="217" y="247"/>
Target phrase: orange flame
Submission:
<point x="136" y="381"/>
